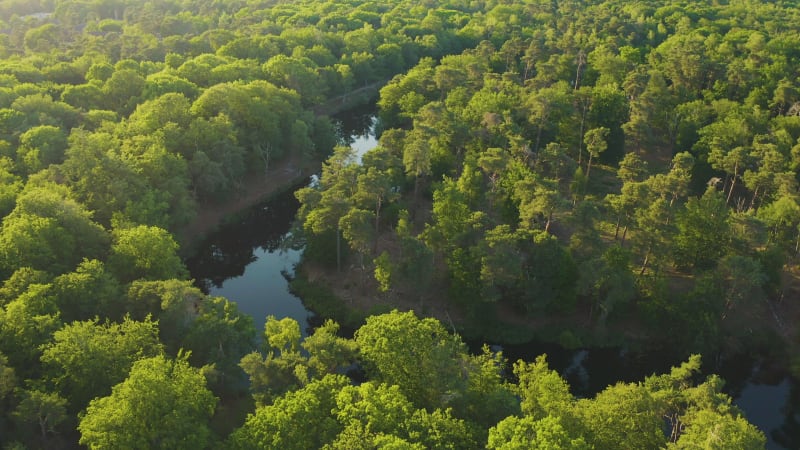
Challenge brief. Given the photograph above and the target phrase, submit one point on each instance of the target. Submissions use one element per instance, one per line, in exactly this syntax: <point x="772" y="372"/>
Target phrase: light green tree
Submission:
<point x="164" y="403"/>
<point x="145" y="252"/>
<point x="419" y="355"/>
<point x="48" y="230"/>
<point x="299" y="420"/>
<point x="85" y="359"/>
<point x="514" y="433"/>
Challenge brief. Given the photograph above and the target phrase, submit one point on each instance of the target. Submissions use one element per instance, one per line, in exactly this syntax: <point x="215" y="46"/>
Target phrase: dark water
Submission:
<point x="244" y="262"/>
<point x="357" y="129"/>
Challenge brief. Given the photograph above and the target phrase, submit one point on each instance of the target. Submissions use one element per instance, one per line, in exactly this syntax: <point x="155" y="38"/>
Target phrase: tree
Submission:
<point x="10" y="185"/>
<point x="547" y="107"/>
<point x="543" y="198"/>
<point x="356" y="226"/>
<point x="542" y="390"/>
<point x="741" y="279"/>
<point x="374" y="188"/>
<point x="514" y="433"/>
<point x="417" y="158"/>
<point x="374" y="410"/>
<point x="328" y="352"/>
<point x="608" y="281"/>
<point x="782" y="217"/>
<point x="48" y="230"/>
<point x="323" y="206"/>
<point x="44" y="409"/>
<point x="216" y="333"/>
<point x="89" y="291"/>
<point x="41" y="146"/>
<point x="493" y="162"/>
<point x="123" y="91"/>
<point x="502" y="263"/>
<point x="299" y="75"/>
<point x="26" y="324"/>
<point x="282" y="368"/>
<point x="701" y="416"/>
<point x="550" y="275"/>
<point x="728" y="141"/>
<point x="299" y="420"/>
<point x="632" y="168"/>
<point x="85" y="359"/>
<point x="453" y="219"/>
<point x="383" y="271"/>
<point x="596" y="143"/>
<point x="163" y="403"/>
<point x="654" y="230"/>
<point x="8" y="380"/>
<point x="703" y="231"/>
<point x="145" y="252"/>
<point x="623" y="416"/>
<point x="418" y="355"/>
<point x="763" y="181"/>
<point x="714" y="431"/>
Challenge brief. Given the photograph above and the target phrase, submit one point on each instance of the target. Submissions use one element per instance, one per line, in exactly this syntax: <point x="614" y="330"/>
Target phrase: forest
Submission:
<point x="602" y="171"/>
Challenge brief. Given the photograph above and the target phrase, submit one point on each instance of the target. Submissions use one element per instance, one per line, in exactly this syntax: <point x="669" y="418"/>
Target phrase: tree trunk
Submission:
<point x="753" y="200"/>
<point x="616" y="228"/>
<point x="733" y="182"/>
<point x="377" y="225"/>
<point x="644" y="264"/>
<point x="581" y="61"/>
<point x="797" y="243"/>
<point x="338" y="249"/>
<point x="43" y="426"/>
<point x="725" y="183"/>
<point x="624" y="233"/>
<point x="549" y="219"/>
<point x="580" y="136"/>
<point x="588" y="167"/>
<point x="265" y="156"/>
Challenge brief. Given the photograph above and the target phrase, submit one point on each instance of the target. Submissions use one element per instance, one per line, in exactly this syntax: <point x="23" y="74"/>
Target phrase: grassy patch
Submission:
<point x="321" y="299"/>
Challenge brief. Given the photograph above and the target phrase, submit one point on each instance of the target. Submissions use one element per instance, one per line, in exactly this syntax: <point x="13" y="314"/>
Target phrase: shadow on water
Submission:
<point x="245" y="262"/>
<point x="357" y="125"/>
<point x="227" y="253"/>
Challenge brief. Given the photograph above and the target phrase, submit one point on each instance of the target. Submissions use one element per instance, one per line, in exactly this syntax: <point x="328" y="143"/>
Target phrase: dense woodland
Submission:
<point x="628" y="170"/>
<point x="626" y="163"/>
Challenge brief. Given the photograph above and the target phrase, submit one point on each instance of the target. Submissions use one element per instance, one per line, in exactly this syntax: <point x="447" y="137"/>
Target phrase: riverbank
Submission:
<point x="353" y="99"/>
<point x="352" y="295"/>
<point x="256" y="188"/>
<point x="283" y="175"/>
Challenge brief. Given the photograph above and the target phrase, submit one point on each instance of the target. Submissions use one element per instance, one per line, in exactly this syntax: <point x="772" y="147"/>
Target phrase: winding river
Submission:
<point x="244" y="261"/>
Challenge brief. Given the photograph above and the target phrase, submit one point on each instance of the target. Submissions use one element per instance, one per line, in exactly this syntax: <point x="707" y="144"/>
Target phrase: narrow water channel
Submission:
<point x="244" y="262"/>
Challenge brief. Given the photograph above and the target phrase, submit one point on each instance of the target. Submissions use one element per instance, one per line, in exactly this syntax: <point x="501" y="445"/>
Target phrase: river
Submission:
<point x="245" y="262"/>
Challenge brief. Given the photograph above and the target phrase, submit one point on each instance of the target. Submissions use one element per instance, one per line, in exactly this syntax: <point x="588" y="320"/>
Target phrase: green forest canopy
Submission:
<point x="552" y="157"/>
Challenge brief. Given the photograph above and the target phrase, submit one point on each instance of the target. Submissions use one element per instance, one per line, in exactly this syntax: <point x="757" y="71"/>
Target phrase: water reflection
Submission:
<point x="245" y="262"/>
